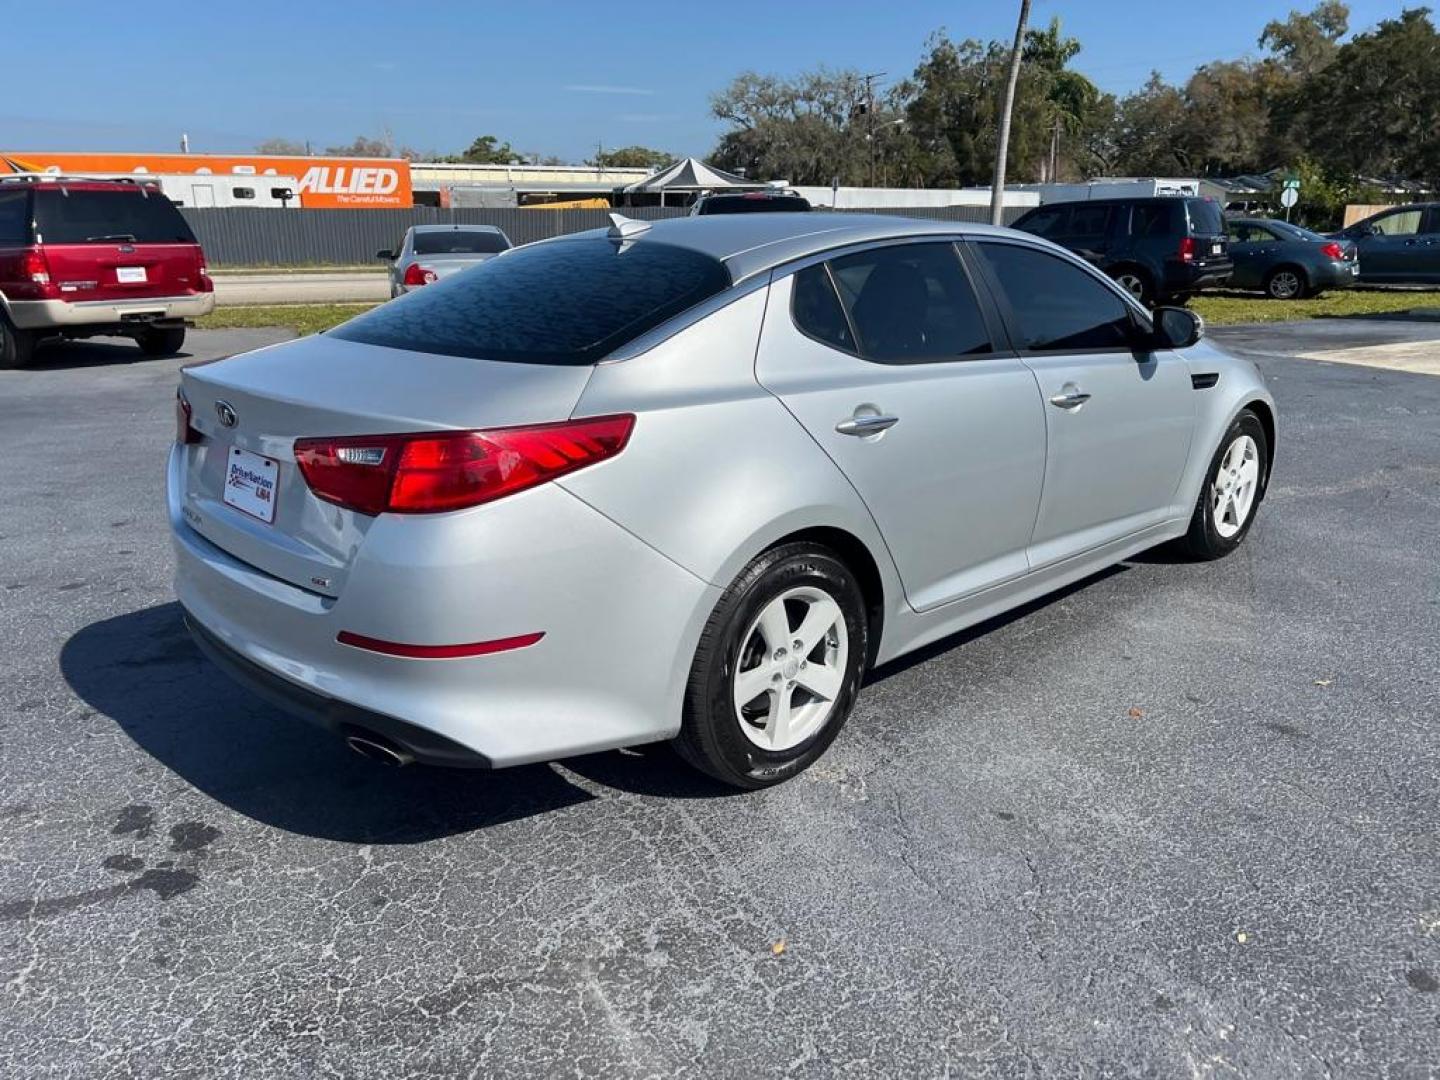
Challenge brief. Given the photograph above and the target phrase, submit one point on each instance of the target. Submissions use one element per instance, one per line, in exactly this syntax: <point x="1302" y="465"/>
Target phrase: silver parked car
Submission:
<point x="689" y="481"/>
<point x="430" y="252"/>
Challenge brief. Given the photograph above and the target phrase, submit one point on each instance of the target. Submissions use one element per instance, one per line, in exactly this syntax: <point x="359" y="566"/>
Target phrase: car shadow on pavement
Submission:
<point x="67" y="355"/>
<point x="143" y="671"/>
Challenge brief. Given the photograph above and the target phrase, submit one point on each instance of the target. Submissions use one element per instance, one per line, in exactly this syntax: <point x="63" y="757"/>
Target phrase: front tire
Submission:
<point x="777" y="669"/>
<point x="1233" y="489"/>
<point x="166" y="341"/>
<point x="17" y="347"/>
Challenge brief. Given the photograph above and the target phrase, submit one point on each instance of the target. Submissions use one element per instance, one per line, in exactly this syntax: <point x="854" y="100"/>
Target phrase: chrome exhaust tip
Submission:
<point x="379" y="749"/>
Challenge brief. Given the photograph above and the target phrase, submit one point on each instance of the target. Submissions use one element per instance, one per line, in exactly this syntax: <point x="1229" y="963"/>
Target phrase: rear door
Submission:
<point x="889" y="360"/>
<point x="1118" y="423"/>
<point x="120" y="242"/>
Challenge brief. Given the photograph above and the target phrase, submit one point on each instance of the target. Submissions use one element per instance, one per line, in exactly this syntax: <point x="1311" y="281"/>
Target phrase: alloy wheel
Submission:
<point x="1232" y="493"/>
<point x="790" y="668"/>
<point x="1285" y="285"/>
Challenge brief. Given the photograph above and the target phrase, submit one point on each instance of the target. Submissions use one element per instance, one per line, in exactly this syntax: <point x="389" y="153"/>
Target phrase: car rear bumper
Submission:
<point x="62" y="314"/>
<point x="1334" y="275"/>
<point x="620" y="624"/>
<point x="1188" y="277"/>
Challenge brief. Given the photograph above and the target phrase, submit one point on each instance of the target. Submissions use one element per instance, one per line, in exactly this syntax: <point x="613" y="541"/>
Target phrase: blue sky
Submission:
<point x="553" y="78"/>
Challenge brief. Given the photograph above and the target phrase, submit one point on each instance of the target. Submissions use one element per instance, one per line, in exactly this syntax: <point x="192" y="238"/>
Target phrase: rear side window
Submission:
<point x="124" y="215"/>
<point x="1059" y="306"/>
<point x="560" y="302"/>
<point x="911" y="303"/>
<point x="817" y="311"/>
<point x="1048" y="222"/>
<point x="1205" y="217"/>
<point x="1155" y="219"/>
<point x="14" y="217"/>
<point x="460" y="242"/>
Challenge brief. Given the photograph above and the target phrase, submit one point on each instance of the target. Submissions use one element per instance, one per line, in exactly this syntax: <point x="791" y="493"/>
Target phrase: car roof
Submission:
<point x="750" y="244"/>
<point x="455" y="227"/>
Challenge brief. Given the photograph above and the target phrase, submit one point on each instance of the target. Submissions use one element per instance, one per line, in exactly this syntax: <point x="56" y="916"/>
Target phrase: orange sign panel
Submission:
<point x="327" y="182"/>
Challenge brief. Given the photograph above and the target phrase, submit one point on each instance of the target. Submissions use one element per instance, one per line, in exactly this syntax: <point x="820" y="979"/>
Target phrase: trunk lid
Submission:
<point x="323" y="386"/>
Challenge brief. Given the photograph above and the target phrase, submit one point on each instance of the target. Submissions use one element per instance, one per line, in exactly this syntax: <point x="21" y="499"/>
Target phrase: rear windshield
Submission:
<point x="754" y="204"/>
<point x="561" y="302"/>
<point x="1205" y="217"/>
<point x="459" y="242"/>
<point x="125" y="215"/>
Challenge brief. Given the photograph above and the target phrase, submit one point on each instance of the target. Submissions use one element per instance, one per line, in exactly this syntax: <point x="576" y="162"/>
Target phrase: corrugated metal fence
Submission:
<point x="240" y="236"/>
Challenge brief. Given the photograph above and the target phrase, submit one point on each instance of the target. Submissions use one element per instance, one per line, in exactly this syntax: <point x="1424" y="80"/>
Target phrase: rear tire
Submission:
<point x="1287" y="283"/>
<point x="17" y="347"/>
<point x="162" y="342"/>
<point x="1136" y="282"/>
<point x="784" y="726"/>
<point x="1233" y="489"/>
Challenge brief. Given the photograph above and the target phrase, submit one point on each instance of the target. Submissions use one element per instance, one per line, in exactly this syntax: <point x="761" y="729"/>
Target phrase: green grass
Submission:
<point x="302" y="318"/>
<point x="1218" y="309"/>
<point x="1225" y="308"/>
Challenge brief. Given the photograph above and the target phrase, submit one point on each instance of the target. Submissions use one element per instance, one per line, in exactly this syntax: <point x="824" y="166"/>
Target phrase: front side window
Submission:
<point x="1049" y="222"/>
<point x="1059" y="306"/>
<point x="1090" y="221"/>
<point x="911" y="303"/>
<point x="1400" y="223"/>
<point x="558" y="302"/>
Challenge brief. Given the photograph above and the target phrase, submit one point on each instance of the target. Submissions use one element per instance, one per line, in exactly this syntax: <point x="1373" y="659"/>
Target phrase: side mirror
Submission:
<point x="1176" y="328"/>
<point x="387" y="255"/>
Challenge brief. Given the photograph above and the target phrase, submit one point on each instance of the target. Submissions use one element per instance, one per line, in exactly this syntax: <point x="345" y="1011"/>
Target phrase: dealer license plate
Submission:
<point x="130" y="275"/>
<point x="250" y="483"/>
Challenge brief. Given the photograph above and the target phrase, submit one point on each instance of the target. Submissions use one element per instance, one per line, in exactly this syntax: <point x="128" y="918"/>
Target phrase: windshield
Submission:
<point x="559" y="302"/>
<point x="124" y="215"/>
<point x="460" y="242"/>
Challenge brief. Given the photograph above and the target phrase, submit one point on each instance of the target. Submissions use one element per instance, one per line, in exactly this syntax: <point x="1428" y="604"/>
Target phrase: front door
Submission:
<point x="1253" y="249"/>
<point x="1118" y="423"/>
<point x="1398" y="247"/>
<point x="888" y="360"/>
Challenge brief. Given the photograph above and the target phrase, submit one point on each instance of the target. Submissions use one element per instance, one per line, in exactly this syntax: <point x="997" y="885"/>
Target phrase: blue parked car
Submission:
<point x="1287" y="262"/>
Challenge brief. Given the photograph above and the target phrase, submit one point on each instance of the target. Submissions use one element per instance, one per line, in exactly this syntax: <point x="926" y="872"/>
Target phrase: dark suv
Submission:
<point x="749" y="202"/>
<point x="1163" y="248"/>
<point x="81" y="257"/>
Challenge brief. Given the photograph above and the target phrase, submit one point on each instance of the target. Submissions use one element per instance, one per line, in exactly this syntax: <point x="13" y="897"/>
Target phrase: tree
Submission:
<point x="631" y="157"/>
<point x="282" y="147"/>
<point x="363" y="147"/>
<point x="1007" y="110"/>
<point x="1304" y="44"/>
<point x="1149" y="135"/>
<point x="488" y="150"/>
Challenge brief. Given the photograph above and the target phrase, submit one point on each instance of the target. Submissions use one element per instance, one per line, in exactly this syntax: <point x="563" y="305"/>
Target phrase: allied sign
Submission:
<point x="326" y="182"/>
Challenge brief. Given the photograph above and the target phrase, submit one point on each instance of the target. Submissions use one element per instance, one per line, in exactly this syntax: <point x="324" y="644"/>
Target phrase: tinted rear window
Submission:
<point x="562" y="302"/>
<point x="743" y="204"/>
<point x="459" y="242"/>
<point x="1205" y="217"/>
<point x="69" y="216"/>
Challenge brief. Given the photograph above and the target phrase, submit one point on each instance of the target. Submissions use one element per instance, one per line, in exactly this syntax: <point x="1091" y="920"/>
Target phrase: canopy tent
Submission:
<point x="687" y="176"/>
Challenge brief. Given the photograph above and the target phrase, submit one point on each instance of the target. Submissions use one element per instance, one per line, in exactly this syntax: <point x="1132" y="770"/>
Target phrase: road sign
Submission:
<point x="1292" y="184"/>
<point x="1289" y="197"/>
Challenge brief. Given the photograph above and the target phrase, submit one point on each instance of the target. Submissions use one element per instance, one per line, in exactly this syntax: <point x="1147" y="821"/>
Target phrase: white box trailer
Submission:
<point x="1112" y="188"/>
<point x="266" y="190"/>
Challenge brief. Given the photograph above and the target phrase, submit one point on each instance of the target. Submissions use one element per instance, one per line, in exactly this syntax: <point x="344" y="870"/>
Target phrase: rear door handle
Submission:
<point x="1070" y="399"/>
<point x="866" y="425"/>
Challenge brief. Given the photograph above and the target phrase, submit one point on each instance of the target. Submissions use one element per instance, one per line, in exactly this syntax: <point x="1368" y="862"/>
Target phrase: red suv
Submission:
<point x="80" y="258"/>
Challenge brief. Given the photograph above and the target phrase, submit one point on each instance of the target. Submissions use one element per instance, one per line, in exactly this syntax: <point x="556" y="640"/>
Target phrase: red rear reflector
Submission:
<point x="184" y="433"/>
<point x="415" y="274"/>
<point x="437" y="652"/>
<point x="1187" y="248"/>
<point x="432" y="472"/>
<point x="1331" y="251"/>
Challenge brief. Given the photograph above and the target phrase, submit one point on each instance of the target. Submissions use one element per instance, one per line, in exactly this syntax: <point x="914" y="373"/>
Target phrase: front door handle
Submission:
<point x="1072" y="398"/>
<point x="866" y="425"/>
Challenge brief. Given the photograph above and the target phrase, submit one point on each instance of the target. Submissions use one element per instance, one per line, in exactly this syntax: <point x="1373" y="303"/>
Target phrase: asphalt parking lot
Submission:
<point x="1179" y="821"/>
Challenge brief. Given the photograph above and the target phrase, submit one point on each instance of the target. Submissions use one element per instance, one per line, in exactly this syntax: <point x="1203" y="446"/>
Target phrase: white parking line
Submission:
<point x="1417" y="357"/>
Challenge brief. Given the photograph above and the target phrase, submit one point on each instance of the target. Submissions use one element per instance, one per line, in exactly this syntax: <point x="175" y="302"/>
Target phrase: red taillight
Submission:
<point x="1331" y="251"/>
<point x="432" y="472"/>
<point x="184" y="432"/>
<point x="203" y="281"/>
<point x="34" y="267"/>
<point x="415" y="274"/>
<point x="1187" y="249"/>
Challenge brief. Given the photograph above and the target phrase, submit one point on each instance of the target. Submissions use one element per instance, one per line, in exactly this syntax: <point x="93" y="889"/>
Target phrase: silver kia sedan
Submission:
<point x="428" y="253"/>
<point x="689" y="480"/>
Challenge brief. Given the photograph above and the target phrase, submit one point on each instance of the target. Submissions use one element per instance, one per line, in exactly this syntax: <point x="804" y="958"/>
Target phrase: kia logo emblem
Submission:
<point x="226" y="414"/>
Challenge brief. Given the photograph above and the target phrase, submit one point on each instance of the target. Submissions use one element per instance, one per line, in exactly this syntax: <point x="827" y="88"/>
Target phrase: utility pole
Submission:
<point x="1002" y="143"/>
<point x="870" y="118"/>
